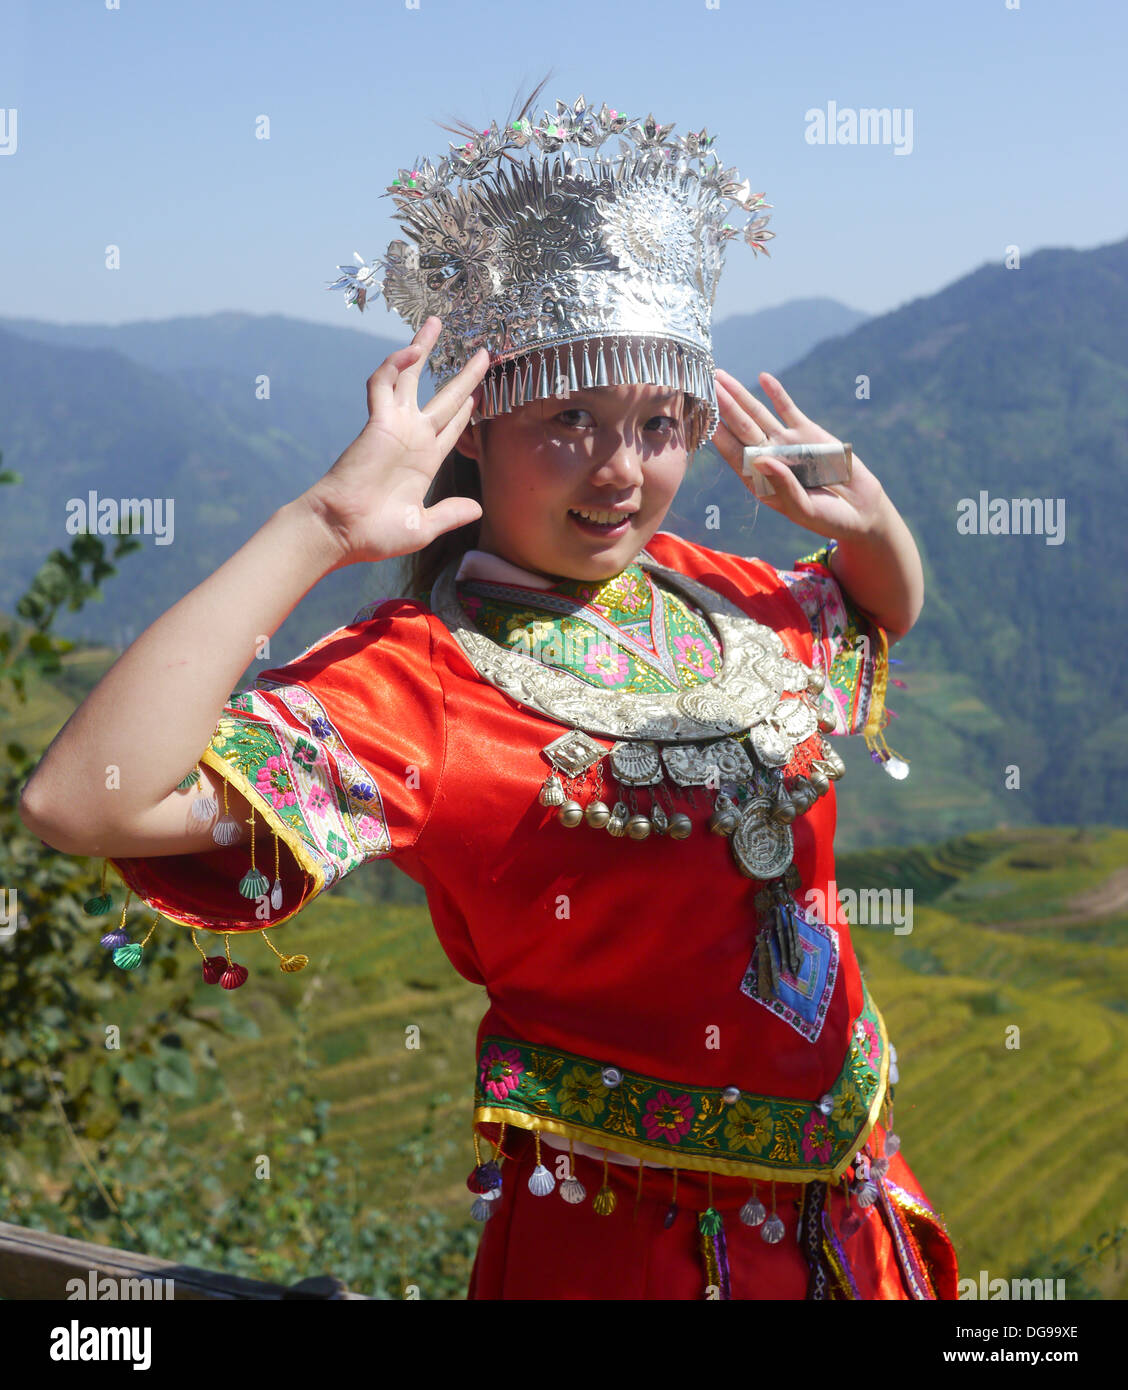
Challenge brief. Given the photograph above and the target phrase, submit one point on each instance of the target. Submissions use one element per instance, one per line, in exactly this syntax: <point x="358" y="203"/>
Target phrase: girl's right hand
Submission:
<point x="371" y="500"/>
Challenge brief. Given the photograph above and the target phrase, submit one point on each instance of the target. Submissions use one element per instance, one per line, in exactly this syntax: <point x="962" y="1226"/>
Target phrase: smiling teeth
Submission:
<point x="601" y="517"/>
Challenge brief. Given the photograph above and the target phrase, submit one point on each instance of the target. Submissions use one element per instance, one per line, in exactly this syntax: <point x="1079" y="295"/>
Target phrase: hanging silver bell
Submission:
<point x="832" y="761"/>
<point x="819" y="780"/>
<point x="552" y="791"/>
<point x="680" y="826"/>
<point x="570" y="814"/>
<point x="827" y="722"/>
<point x="784" y="809"/>
<point x="638" y="827"/>
<point x="617" y="825"/>
<point x="724" y="819"/>
<point x="816" y="681"/>
<point x="659" y="820"/>
<point x="597" y="814"/>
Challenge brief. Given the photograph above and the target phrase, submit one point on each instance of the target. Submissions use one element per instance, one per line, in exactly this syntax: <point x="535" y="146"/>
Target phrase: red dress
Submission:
<point x="617" y="971"/>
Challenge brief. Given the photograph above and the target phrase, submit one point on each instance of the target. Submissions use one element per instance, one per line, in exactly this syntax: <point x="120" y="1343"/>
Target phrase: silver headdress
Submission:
<point x="541" y="260"/>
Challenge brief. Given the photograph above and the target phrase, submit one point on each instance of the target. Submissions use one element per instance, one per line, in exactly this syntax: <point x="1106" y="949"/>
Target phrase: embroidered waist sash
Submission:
<point x="722" y="1131"/>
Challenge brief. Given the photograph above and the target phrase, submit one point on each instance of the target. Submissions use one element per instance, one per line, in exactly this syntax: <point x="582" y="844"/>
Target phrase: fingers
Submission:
<point x="447" y="437"/>
<point x="449" y="399"/>
<point x="789" y="497"/>
<point x="426" y="338"/>
<point x="451" y="513"/>
<point x="404" y="363"/>
<point x="788" y="412"/>
<point x="745" y="415"/>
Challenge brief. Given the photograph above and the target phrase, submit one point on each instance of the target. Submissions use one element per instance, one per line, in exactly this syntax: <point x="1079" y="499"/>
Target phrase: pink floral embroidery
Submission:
<point x="273" y="781"/>
<point x="695" y="654"/>
<point x="868" y="1041"/>
<point x="611" y="668"/>
<point x="667" y="1118"/>
<point x="500" y="1071"/>
<point x="317" y="800"/>
<point x="817" y="1141"/>
<point x="628" y="594"/>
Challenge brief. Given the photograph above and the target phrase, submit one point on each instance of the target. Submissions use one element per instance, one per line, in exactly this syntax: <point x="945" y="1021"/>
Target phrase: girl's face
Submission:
<point x="604" y="449"/>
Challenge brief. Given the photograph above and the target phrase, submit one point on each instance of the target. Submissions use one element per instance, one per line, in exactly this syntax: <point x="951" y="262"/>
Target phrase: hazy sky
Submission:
<point x="136" y="126"/>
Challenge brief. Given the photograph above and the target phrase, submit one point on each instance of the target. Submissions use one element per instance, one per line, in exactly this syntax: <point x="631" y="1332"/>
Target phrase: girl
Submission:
<point x="596" y="745"/>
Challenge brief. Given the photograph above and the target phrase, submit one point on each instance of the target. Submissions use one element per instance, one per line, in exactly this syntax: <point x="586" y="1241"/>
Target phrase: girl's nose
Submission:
<point x="623" y="464"/>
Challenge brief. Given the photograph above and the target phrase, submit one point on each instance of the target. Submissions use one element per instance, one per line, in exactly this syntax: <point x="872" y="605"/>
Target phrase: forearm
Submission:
<point x="880" y="570"/>
<point x="155" y="710"/>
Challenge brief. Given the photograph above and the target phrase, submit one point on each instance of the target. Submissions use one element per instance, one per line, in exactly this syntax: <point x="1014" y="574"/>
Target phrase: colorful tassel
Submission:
<point x="714" y="1250"/>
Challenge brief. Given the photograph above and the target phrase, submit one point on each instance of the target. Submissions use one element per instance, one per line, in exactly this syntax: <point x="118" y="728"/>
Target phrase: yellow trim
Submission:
<point x="876" y="718"/>
<point x="286" y="833"/>
<point x="669" y="1157"/>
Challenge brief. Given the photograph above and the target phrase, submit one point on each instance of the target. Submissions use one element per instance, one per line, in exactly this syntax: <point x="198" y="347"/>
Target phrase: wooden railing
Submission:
<point x="39" y="1265"/>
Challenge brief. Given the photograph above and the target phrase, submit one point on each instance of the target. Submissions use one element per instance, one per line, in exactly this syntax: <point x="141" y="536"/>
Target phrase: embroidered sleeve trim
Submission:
<point x="758" y="1137"/>
<point x="282" y="745"/>
<point x="850" y="649"/>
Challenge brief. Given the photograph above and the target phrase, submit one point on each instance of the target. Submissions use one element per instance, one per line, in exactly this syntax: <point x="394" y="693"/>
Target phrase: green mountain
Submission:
<point x="1013" y="383"/>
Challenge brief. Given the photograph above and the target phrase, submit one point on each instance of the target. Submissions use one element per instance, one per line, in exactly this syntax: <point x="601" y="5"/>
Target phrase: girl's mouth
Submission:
<point x="606" y="529"/>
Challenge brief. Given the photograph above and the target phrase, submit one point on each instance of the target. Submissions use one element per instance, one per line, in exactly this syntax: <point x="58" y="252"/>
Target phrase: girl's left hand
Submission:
<point x="837" y="510"/>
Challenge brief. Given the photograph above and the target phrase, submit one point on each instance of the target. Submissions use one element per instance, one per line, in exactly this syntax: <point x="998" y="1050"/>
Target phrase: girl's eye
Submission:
<point x="572" y="424"/>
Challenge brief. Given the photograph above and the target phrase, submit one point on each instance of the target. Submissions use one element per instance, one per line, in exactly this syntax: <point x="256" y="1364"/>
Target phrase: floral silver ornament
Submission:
<point x="531" y="255"/>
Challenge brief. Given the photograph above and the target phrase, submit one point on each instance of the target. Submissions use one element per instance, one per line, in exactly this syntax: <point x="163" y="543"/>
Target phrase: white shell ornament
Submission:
<point x="573" y="1191"/>
<point x="753" y="1212"/>
<point x="772" y="1230"/>
<point x="541" y="1181"/>
<point x="226" y="830"/>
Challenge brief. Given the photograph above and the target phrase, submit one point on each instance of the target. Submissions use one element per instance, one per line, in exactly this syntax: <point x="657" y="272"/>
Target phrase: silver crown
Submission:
<point x="542" y="260"/>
